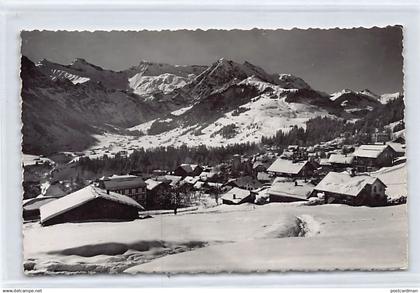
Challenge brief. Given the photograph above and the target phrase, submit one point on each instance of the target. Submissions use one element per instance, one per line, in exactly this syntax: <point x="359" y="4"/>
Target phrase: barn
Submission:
<point x="90" y="204"/>
<point x="237" y="196"/>
<point x="374" y="156"/>
<point x="289" y="191"/>
<point x="339" y="162"/>
<point x="158" y="194"/>
<point x="352" y="190"/>
<point x="289" y="168"/>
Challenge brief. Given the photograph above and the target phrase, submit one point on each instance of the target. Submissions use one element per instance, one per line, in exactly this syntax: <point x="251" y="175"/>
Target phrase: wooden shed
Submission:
<point x="90" y="204"/>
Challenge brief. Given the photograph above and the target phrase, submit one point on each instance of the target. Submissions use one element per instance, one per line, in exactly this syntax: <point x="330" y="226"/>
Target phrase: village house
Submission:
<point x="244" y="182"/>
<point x="282" y="167"/>
<point x="350" y="189"/>
<point x="398" y="148"/>
<point x="90" y="204"/>
<point x="185" y="170"/>
<point x="237" y="196"/>
<point x="130" y="185"/>
<point x="158" y="194"/>
<point x="289" y="191"/>
<point x="264" y="177"/>
<point x="340" y="162"/>
<point x="399" y="136"/>
<point x="374" y="155"/>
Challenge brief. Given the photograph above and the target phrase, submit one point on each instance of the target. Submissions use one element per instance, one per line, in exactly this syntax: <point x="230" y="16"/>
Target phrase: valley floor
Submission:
<point x="245" y="238"/>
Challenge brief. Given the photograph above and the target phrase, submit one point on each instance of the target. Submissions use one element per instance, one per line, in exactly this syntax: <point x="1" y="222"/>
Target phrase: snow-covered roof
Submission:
<point x="188" y="167"/>
<point x="152" y="184"/>
<point x="116" y="182"/>
<point x="80" y="197"/>
<point x="263" y="176"/>
<point x="36" y="203"/>
<point x="191" y="180"/>
<point x="236" y="195"/>
<point x="207" y="175"/>
<point x="341" y="159"/>
<point x="344" y="183"/>
<point x="287" y="166"/>
<point x="369" y="150"/>
<point x="174" y="180"/>
<point x="289" y="189"/>
<point x="397" y="147"/>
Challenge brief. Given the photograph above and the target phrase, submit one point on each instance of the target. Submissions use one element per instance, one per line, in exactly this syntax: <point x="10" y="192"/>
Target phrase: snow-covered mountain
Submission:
<point x="385" y="98"/>
<point x="81" y="71"/>
<point x="225" y="102"/>
<point x="356" y="101"/>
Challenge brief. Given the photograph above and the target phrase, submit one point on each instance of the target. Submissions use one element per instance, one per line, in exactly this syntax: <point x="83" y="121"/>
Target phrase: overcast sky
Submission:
<point x="329" y="60"/>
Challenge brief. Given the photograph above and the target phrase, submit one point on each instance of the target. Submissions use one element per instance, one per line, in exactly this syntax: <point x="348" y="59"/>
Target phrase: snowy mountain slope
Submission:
<point x="60" y="115"/>
<point x="356" y="101"/>
<point x="147" y="68"/>
<point x="82" y="106"/>
<point x="148" y="85"/>
<point x="81" y="71"/>
<point x="244" y="111"/>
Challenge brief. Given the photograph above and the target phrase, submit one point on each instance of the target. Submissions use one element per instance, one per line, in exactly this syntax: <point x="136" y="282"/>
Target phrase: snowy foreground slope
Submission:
<point x="246" y="238"/>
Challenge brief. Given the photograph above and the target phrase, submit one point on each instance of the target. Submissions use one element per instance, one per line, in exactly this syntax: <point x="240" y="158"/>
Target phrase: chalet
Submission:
<point x="237" y="196"/>
<point x="340" y="161"/>
<point x="399" y="136"/>
<point x="90" y="204"/>
<point x="130" y="185"/>
<point x="244" y="182"/>
<point x="289" y="168"/>
<point x="398" y="148"/>
<point x="289" y="191"/>
<point x="352" y="190"/>
<point x="264" y="177"/>
<point x="374" y="155"/>
<point x="158" y="194"/>
<point x="185" y="170"/>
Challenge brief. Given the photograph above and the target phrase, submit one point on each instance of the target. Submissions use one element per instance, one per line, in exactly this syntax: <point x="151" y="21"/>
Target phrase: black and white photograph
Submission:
<point x="213" y="151"/>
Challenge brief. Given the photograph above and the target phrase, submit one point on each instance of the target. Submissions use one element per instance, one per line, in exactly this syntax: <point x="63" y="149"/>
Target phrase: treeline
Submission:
<point x="164" y="158"/>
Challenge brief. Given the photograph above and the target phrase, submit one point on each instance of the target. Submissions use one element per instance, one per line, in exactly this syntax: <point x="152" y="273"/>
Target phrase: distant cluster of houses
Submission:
<point x="298" y="174"/>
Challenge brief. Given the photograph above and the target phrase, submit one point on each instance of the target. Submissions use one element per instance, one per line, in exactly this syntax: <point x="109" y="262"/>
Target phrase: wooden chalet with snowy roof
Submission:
<point x="90" y="204"/>
<point x="289" y="168"/>
<point x="374" y="155"/>
<point x="351" y="189"/>
<point x="238" y="196"/>
<point x="185" y="170"/>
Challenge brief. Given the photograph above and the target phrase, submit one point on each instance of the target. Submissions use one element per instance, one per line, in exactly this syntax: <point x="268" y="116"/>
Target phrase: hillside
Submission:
<point x="77" y="106"/>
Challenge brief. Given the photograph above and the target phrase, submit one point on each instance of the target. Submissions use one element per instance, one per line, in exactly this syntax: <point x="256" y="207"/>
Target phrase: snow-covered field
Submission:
<point x="274" y="237"/>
